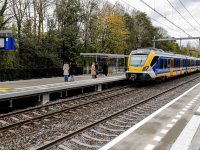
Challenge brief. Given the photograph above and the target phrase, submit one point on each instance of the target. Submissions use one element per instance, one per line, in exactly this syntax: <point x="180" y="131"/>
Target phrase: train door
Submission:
<point x="157" y="67"/>
<point x="172" y="66"/>
<point x="190" y="65"/>
<point x="181" y="67"/>
<point x="195" y="65"/>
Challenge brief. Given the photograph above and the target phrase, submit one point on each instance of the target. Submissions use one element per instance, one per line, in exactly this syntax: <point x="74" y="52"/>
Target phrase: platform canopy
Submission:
<point x="104" y="55"/>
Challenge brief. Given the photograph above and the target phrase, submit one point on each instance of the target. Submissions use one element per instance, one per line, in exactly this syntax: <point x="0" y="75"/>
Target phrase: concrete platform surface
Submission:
<point x="173" y="127"/>
<point x="28" y="87"/>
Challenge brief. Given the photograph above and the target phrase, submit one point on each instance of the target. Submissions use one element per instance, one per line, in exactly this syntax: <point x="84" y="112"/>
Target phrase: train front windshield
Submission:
<point x="138" y="60"/>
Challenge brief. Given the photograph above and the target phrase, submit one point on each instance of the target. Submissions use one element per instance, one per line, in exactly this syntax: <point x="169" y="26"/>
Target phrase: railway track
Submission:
<point x="11" y="120"/>
<point x="108" y="120"/>
<point x="109" y="112"/>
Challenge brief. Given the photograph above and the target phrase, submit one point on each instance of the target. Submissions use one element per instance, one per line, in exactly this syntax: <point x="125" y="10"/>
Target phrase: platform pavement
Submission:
<point x="27" y="87"/>
<point x="169" y="128"/>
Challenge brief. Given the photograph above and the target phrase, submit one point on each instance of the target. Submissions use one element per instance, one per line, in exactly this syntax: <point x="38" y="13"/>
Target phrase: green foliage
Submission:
<point x="85" y="27"/>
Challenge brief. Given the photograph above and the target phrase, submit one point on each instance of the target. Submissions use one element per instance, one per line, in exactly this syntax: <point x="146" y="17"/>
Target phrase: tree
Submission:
<point x="114" y="33"/>
<point x="69" y="13"/>
<point x="3" y="21"/>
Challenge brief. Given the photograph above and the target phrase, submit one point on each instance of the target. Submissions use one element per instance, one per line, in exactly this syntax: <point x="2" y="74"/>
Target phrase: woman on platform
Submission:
<point x="66" y="71"/>
<point x="93" y="70"/>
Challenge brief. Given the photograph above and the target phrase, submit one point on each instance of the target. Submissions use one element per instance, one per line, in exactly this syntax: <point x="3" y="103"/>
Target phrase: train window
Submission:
<point x="168" y="63"/>
<point x="188" y="63"/>
<point x="179" y="63"/>
<point x="175" y="63"/>
<point x="161" y="63"/>
<point x="155" y="59"/>
<point x="165" y="63"/>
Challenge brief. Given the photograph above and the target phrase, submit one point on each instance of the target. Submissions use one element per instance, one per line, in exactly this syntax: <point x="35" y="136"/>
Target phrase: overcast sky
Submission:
<point x="164" y="7"/>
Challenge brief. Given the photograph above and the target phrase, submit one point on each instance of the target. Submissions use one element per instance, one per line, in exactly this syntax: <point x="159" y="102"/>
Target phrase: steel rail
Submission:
<point x="70" y="135"/>
<point x="62" y="111"/>
<point x="58" y="103"/>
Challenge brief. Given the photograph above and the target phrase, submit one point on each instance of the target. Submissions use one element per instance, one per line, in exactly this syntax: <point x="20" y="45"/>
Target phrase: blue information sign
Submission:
<point x="7" y="43"/>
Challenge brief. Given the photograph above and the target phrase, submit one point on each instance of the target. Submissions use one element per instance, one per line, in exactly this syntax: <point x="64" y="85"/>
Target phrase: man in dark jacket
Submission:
<point x="105" y="69"/>
<point x="76" y="68"/>
<point x="71" y="72"/>
<point x="97" y="69"/>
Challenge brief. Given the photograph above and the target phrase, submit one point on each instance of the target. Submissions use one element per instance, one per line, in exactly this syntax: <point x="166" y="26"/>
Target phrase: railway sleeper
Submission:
<point x="111" y="129"/>
<point x="84" y="144"/>
<point x="3" y="122"/>
<point x="95" y="139"/>
<point x="104" y="134"/>
<point x="14" y="118"/>
<point x="118" y="125"/>
<point x="63" y="147"/>
<point x="120" y="121"/>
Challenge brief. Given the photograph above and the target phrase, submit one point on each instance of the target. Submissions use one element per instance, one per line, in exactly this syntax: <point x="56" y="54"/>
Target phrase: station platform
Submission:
<point x="15" y="89"/>
<point x="175" y="126"/>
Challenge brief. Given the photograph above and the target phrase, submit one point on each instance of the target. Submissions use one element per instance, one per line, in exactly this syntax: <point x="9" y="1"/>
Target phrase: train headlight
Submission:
<point x="145" y="68"/>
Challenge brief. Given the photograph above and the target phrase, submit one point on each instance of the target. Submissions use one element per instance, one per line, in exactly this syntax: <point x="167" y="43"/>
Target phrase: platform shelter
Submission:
<point x="116" y="63"/>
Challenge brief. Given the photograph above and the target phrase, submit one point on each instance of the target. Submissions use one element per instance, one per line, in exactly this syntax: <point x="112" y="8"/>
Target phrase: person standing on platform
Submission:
<point x="105" y="69"/>
<point x="93" y="70"/>
<point x="97" y="69"/>
<point x="76" y="68"/>
<point x="66" y="71"/>
<point x="71" y="72"/>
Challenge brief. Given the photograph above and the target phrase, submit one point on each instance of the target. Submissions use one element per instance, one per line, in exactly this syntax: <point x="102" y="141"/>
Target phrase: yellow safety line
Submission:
<point x="4" y="88"/>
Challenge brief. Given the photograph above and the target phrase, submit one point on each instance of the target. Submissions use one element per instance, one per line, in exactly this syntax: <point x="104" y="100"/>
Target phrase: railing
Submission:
<point x="24" y="74"/>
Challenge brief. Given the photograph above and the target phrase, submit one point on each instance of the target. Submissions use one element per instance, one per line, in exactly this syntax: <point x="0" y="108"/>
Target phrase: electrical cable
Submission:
<point x="188" y="11"/>
<point x="166" y="19"/>
<point x="181" y="15"/>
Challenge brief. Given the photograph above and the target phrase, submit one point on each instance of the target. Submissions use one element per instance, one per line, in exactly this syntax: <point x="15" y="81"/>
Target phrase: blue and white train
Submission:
<point x="154" y="64"/>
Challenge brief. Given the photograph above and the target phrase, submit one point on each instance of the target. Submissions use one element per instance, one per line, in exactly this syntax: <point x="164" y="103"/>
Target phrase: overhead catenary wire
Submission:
<point x="152" y="18"/>
<point x="188" y="12"/>
<point x="167" y="19"/>
<point x="181" y="15"/>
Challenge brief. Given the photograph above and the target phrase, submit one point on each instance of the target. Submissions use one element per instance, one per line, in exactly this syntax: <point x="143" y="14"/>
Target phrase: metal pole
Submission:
<point x="63" y="51"/>
<point x="180" y="44"/>
<point x="199" y="48"/>
<point x="124" y="65"/>
<point x="154" y="43"/>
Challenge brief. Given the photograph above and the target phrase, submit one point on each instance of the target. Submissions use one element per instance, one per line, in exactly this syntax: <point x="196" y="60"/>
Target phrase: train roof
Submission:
<point x="160" y="52"/>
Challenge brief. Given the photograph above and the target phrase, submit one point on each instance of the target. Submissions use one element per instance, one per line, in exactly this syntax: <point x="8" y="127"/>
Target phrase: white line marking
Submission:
<point x="190" y="104"/>
<point x="182" y="112"/>
<point x="129" y="131"/>
<point x="174" y="120"/>
<point x="157" y="138"/>
<point x="149" y="147"/>
<point x="185" y="138"/>
<point x="170" y="125"/>
<point x="164" y="131"/>
<point x="198" y="110"/>
<point x="187" y="106"/>
<point x="185" y="109"/>
<point x="178" y="116"/>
